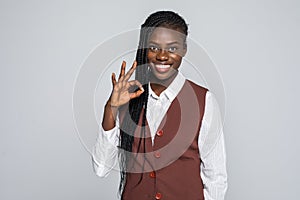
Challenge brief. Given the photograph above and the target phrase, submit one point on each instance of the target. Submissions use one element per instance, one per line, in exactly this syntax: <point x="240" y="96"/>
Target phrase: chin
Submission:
<point x="162" y="77"/>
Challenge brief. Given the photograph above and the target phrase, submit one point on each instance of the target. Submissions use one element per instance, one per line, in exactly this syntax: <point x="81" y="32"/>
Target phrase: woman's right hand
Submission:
<point x="121" y="94"/>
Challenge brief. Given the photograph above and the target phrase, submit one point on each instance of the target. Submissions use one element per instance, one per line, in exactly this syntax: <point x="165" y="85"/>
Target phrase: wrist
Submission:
<point x="111" y="108"/>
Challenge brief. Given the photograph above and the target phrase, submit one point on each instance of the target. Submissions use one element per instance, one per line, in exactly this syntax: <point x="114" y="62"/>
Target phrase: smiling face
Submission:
<point x="166" y="47"/>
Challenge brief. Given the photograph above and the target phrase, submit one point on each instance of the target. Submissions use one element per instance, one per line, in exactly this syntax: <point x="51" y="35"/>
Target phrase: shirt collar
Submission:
<point x="172" y="91"/>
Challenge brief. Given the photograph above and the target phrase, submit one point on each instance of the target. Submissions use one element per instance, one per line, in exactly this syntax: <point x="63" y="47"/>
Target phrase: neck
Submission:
<point x="158" y="86"/>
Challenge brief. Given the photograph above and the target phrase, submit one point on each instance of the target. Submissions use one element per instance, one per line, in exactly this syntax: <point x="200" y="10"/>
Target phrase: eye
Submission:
<point x="153" y="48"/>
<point x="172" y="49"/>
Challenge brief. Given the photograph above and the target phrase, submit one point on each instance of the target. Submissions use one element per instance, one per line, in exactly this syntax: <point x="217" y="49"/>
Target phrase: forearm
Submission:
<point x="109" y="116"/>
<point x="105" y="151"/>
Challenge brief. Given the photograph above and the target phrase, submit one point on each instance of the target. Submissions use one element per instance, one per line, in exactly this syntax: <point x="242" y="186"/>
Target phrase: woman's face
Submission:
<point x="166" y="49"/>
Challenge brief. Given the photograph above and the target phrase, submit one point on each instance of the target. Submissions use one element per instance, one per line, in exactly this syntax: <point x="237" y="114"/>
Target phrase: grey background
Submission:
<point x="255" y="45"/>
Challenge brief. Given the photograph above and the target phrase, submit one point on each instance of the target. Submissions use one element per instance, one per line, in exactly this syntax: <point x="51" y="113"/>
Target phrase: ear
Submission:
<point x="184" y="49"/>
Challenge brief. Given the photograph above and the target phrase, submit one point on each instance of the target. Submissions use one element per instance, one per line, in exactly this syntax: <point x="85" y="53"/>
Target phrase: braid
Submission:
<point x="167" y="19"/>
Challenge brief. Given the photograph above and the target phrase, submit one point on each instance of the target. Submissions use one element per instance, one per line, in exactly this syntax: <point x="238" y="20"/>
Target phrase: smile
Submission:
<point x="162" y="68"/>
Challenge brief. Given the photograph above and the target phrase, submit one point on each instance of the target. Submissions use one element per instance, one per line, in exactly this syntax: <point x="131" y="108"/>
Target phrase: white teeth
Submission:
<point x="163" y="66"/>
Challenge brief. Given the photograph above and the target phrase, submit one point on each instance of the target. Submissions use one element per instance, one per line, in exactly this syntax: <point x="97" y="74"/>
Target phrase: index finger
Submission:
<point x="130" y="72"/>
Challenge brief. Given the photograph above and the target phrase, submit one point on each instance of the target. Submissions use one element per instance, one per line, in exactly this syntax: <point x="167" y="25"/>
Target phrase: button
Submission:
<point x="158" y="196"/>
<point x="157" y="154"/>
<point x="152" y="174"/>
<point x="160" y="133"/>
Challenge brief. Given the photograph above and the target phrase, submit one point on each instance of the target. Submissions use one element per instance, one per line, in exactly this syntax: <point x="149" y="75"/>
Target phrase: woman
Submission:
<point x="170" y="141"/>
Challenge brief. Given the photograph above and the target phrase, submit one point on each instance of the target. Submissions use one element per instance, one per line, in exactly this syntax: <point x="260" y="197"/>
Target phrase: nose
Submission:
<point x="162" y="55"/>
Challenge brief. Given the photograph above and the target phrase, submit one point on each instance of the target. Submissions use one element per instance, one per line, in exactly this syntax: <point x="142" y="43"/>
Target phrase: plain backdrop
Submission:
<point x="255" y="45"/>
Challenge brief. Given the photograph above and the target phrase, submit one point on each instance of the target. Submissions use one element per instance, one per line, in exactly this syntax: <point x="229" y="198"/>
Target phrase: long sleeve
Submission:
<point x="211" y="141"/>
<point x="105" y="151"/>
<point x="212" y="151"/>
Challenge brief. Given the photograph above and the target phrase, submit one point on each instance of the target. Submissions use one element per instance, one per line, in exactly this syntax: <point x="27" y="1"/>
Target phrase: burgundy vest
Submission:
<point x="170" y="169"/>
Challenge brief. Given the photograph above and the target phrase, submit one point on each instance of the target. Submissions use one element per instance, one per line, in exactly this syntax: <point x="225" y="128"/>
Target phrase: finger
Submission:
<point x="136" y="94"/>
<point x="137" y="83"/>
<point x="122" y="72"/>
<point x="130" y="72"/>
<point x="113" y="79"/>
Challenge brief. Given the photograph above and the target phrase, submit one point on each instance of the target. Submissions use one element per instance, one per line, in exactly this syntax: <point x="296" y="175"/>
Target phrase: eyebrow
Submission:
<point x="152" y="42"/>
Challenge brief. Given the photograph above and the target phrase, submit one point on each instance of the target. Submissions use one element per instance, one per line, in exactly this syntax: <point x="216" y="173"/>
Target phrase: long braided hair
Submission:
<point x="166" y="19"/>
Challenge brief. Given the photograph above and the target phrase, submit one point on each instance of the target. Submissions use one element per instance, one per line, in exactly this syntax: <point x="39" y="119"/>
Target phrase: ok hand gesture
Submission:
<point x="120" y="94"/>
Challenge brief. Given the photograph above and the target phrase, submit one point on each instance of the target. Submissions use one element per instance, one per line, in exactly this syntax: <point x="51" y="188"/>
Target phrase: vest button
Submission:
<point x="158" y="196"/>
<point x="152" y="174"/>
<point x="157" y="154"/>
<point x="160" y="133"/>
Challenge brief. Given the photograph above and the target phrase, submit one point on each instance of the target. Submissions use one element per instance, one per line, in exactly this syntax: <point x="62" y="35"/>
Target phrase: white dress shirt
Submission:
<point x="210" y="142"/>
